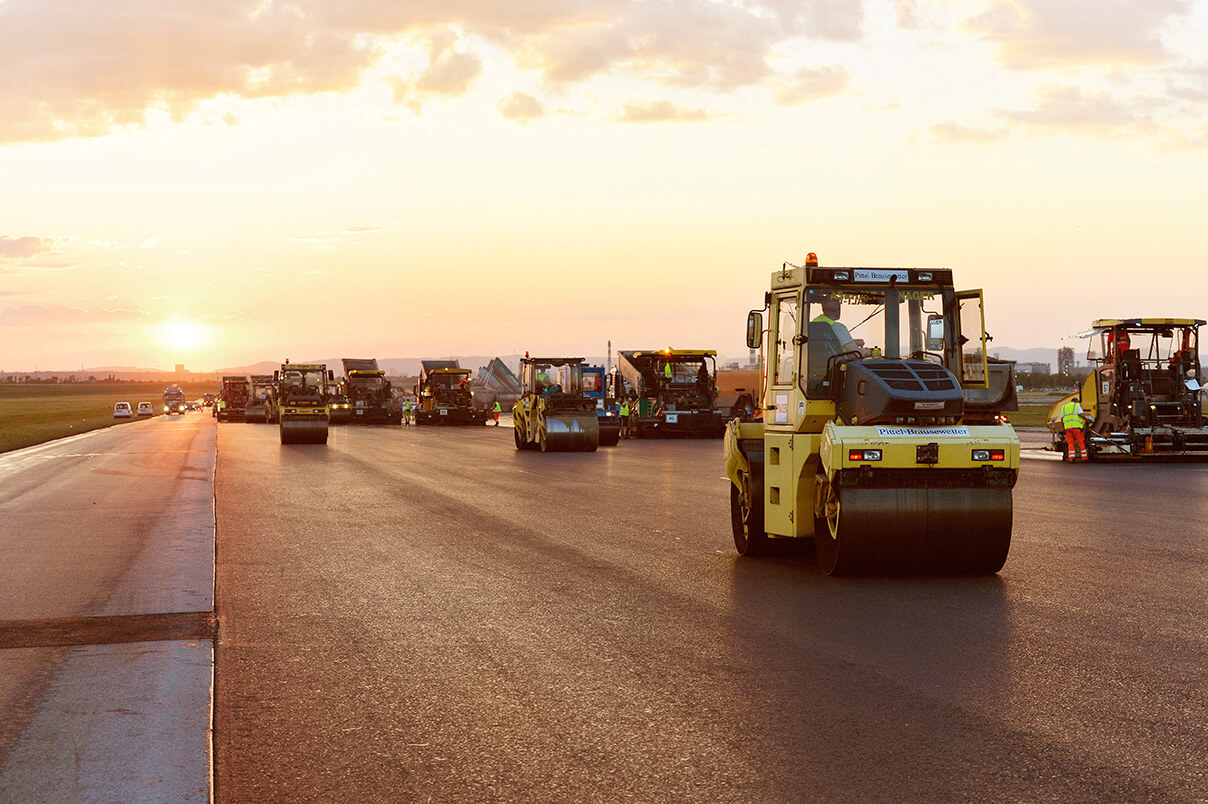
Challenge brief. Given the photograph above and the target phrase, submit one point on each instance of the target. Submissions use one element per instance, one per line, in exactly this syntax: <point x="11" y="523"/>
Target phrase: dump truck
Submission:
<point x="262" y="404"/>
<point x="864" y="445"/>
<point x="232" y="400"/>
<point x="368" y="393"/>
<point x="671" y="392"/>
<point x="596" y="386"/>
<point x="1143" y="392"/>
<point x="553" y="414"/>
<point x="174" y="400"/>
<point x="443" y="395"/>
<point x="302" y="397"/>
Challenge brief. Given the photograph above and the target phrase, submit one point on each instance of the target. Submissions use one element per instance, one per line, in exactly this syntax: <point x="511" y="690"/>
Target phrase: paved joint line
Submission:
<point x="167" y="627"/>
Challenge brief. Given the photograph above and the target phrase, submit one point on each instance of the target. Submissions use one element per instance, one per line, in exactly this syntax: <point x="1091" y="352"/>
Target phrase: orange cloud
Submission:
<point x="811" y="84"/>
<point x="659" y="111"/>
<point x="520" y="106"/>
<point x="80" y="69"/>
<point x="70" y="69"/>
<point x="15" y="248"/>
<point x="951" y="131"/>
<point x="1039" y="34"/>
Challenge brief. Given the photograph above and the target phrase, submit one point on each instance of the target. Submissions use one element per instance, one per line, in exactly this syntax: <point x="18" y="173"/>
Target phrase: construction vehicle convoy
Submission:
<point x="672" y="392"/>
<point x="553" y="414"/>
<point x="369" y="393"/>
<point x="302" y="394"/>
<point x="262" y="404"/>
<point x="174" y="400"/>
<point x="1143" y="393"/>
<point x="596" y="386"/>
<point x="864" y="443"/>
<point x="443" y="395"/>
<point x="232" y="399"/>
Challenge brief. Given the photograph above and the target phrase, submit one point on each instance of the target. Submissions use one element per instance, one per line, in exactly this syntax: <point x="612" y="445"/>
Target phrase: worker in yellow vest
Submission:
<point x="496" y="410"/>
<point x="1073" y="417"/>
<point x="623" y="412"/>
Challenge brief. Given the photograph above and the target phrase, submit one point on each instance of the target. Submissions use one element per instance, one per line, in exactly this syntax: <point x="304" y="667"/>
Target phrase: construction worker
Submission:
<point x="668" y="373"/>
<point x="407" y="412"/>
<point x="496" y="409"/>
<point x="623" y="412"/>
<point x="832" y="308"/>
<point x="1073" y="418"/>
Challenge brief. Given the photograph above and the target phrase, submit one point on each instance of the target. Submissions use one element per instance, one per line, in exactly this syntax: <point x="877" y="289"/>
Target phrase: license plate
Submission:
<point x="444" y="413"/>
<point x="360" y="413"/>
<point x="672" y="418"/>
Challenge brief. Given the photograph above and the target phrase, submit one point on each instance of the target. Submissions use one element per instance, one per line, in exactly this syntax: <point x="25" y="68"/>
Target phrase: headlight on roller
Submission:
<point x="983" y="455"/>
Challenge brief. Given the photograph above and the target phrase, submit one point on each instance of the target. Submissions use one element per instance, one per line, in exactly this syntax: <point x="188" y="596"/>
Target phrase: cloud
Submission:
<point x="951" y="131"/>
<point x="1071" y="109"/>
<point x="81" y="69"/>
<point x="15" y="248"/>
<point x="811" y="84"/>
<point x="150" y="242"/>
<point x="659" y="111"/>
<point x="40" y="316"/>
<point x="327" y="238"/>
<point x="1040" y="34"/>
<point x="450" y="72"/>
<point x="520" y="106"/>
<point x="691" y="43"/>
<point x="71" y="69"/>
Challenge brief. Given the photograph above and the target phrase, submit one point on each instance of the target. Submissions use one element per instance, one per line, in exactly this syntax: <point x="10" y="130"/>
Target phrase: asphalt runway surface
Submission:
<point x="106" y="614"/>
<point x="427" y="614"/>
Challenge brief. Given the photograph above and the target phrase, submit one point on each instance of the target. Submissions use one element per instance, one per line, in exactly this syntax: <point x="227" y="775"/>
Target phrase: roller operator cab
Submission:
<point x="1143" y="394"/>
<point x="865" y="445"/>
<point x="553" y="413"/>
<point x="303" y="390"/>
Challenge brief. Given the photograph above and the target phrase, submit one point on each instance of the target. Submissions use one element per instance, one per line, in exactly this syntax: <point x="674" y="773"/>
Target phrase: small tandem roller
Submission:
<point x="302" y="394"/>
<point x="864" y="443"/>
<point x="553" y="413"/>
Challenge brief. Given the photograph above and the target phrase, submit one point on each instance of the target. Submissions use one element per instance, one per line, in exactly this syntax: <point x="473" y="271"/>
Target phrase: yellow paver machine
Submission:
<point x="553" y="413"/>
<point x="1143" y="393"/>
<point x="864" y="444"/>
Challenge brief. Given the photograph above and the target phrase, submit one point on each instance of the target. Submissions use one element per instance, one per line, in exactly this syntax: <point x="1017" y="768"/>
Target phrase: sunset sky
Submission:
<point x="216" y="183"/>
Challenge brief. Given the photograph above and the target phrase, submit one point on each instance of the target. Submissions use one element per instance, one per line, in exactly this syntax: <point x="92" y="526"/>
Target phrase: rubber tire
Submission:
<point x="747" y="521"/>
<point x="828" y="532"/>
<point x="520" y="443"/>
<point x="542" y="439"/>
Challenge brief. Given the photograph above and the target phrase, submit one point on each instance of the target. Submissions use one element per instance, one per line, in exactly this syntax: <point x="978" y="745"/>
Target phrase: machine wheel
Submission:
<point x="746" y="515"/>
<point x="827" y="537"/>
<point x="611" y="439"/>
<point x="542" y="439"/>
<point x="516" y="434"/>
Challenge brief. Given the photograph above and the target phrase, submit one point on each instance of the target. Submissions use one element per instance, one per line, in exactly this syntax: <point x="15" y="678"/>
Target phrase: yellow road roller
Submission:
<point x="302" y="398"/>
<point x="864" y="446"/>
<point x="553" y="413"/>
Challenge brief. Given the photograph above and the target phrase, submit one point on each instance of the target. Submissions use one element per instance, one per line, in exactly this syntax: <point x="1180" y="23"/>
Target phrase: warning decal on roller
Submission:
<point x="922" y="432"/>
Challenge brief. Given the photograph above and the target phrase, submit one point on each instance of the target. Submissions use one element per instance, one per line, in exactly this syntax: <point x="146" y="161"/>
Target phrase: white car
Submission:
<point x="122" y="410"/>
<point x="145" y="409"/>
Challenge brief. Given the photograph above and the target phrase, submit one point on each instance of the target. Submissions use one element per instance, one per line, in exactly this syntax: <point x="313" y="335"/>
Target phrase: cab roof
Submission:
<point x="1106" y="323"/>
<point x="672" y="353"/>
<point x="553" y="361"/>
